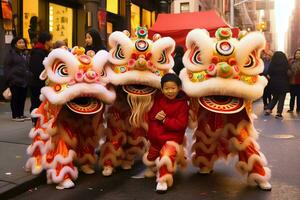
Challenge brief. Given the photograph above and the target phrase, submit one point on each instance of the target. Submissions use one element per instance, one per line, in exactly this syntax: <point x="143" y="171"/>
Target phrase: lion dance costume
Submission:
<point x="137" y="65"/>
<point x="222" y="77"/>
<point x="70" y="118"/>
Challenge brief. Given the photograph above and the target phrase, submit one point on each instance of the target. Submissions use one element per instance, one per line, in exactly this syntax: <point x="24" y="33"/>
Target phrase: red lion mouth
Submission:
<point x="139" y="90"/>
<point x="85" y="105"/>
<point x="222" y="104"/>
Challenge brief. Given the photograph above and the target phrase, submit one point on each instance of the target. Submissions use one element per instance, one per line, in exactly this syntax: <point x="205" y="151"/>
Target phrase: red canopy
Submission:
<point x="177" y="26"/>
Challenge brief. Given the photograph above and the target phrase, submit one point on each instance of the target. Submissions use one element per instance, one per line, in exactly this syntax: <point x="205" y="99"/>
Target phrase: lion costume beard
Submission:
<point x="140" y="106"/>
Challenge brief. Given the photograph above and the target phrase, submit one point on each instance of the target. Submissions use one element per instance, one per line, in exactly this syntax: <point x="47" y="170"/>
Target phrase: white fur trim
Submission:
<point x="127" y="46"/>
<point x="41" y="145"/>
<point x="32" y="167"/>
<point x="58" y="159"/>
<point x="206" y="149"/>
<point x="134" y="77"/>
<point x="235" y="143"/>
<point x="197" y="160"/>
<point x="96" y="90"/>
<point x="180" y="153"/>
<point x="221" y="86"/>
<point x="168" y="178"/>
<point x="86" y="158"/>
<point x="136" y="141"/>
<point x="100" y="59"/>
<point x="52" y="178"/>
<point x="254" y="178"/>
<point x="201" y="39"/>
<point x="147" y="162"/>
<point x="244" y="167"/>
<point x="38" y="131"/>
<point x="252" y="41"/>
<point x="165" y="160"/>
<point x="113" y="154"/>
<point x="40" y="116"/>
<point x="133" y="151"/>
<point x="163" y="44"/>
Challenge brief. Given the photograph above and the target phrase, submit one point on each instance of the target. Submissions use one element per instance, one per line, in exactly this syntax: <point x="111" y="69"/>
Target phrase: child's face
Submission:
<point x="170" y="89"/>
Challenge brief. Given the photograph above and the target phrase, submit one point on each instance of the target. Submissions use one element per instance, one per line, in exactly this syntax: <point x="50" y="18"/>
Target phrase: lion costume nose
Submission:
<point x="89" y="76"/>
<point x="224" y="70"/>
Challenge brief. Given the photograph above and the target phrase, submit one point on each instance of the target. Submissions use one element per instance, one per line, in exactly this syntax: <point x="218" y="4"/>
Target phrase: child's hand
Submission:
<point x="161" y="115"/>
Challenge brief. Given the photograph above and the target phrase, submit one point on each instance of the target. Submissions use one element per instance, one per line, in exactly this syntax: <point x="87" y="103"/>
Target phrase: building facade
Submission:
<point x="69" y="19"/>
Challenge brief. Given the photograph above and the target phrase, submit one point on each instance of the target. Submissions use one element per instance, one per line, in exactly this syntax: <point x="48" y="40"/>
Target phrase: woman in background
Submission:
<point x="93" y="41"/>
<point x="17" y="75"/>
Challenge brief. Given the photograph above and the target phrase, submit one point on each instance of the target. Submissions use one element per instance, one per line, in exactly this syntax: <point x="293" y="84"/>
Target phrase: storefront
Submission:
<point x="65" y="20"/>
<point x="139" y="13"/>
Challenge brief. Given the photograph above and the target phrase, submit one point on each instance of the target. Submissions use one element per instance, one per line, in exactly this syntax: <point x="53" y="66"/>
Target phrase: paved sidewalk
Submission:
<point x="14" y="141"/>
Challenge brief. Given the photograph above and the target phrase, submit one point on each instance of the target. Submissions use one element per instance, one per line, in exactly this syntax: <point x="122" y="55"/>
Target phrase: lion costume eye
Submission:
<point x="250" y="62"/>
<point x="119" y="54"/>
<point x="163" y="58"/>
<point x="61" y="69"/>
<point x="195" y="56"/>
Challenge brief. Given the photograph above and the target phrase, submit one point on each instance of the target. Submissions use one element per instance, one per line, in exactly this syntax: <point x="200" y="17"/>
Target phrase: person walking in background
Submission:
<point x="294" y="75"/>
<point x="178" y="54"/>
<point x="37" y="56"/>
<point x="266" y="57"/>
<point x="93" y="41"/>
<point x="17" y="75"/>
<point x="279" y="82"/>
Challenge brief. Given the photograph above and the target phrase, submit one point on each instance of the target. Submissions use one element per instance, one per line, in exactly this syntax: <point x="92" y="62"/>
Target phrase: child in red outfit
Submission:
<point x="167" y="121"/>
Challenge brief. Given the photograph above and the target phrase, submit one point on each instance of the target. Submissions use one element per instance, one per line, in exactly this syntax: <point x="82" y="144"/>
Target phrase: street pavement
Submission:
<point x="279" y="141"/>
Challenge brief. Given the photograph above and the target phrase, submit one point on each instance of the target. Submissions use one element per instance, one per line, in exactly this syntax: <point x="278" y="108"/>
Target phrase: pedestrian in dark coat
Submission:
<point x="37" y="56"/>
<point x="279" y="82"/>
<point x="17" y="75"/>
<point x="294" y="75"/>
<point x="178" y="54"/>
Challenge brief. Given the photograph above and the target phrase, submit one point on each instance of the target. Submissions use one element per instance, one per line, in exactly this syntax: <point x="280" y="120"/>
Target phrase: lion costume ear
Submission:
<point x="121" y="48"/>
<point x="162" y="53"/>
<point x="43" y="75"/>
<point x="199" y="50"/>
<point x="248" y="53"/>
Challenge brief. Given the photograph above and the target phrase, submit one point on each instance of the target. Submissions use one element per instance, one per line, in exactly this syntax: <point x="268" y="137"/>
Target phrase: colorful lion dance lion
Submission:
<point x="137" y="65"/>
<point x="70" y="118"/>
<point x="222" y="76"/>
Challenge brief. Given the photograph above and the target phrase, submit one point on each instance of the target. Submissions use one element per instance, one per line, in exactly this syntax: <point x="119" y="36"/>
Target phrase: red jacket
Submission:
<point x="173" y="128"/>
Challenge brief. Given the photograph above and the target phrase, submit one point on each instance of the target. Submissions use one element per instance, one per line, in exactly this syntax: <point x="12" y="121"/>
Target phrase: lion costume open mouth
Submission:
<point x="222" y="104"/>
<point x="139" y="90"/>
<point x="85" y="105"/>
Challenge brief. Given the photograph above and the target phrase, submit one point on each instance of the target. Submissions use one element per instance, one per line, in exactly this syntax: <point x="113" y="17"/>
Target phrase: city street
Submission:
<point x="279" y="141"/>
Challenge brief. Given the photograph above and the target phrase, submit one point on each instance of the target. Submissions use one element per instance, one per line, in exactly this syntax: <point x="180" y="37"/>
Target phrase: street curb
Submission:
<point x="23" y="187"/>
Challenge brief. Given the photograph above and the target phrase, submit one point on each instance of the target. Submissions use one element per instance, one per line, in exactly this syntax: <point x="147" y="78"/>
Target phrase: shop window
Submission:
<point x="184" y="7"/>
<point x="112" y="6"/>
<point x="146" y="18"/>
<point x="30" y="21"/>
<point x="153" y="17"/>
<point x="61" y="23"/>
<point x="135" y="18"/>
<point x="109" y="28"/>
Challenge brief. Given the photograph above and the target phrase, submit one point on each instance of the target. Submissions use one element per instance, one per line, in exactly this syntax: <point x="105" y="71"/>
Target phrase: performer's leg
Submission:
<point x="111" y="151"/>
<point x="170" y="154"/>
<point x="59" y="164"/>
<point x="205" y="149"/>
<point x="135" y="147"/>
<point x="251" y="161"/>
<point x="149" y="160"/>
